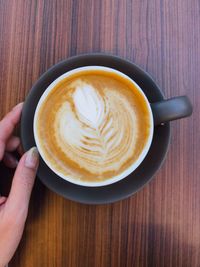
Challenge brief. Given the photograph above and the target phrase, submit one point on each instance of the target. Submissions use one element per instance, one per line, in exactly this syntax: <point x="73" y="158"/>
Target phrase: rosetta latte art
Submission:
<point x="98" y="132"/>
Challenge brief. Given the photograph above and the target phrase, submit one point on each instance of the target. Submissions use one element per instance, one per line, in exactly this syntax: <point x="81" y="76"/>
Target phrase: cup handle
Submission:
<point x="171" y="109"/>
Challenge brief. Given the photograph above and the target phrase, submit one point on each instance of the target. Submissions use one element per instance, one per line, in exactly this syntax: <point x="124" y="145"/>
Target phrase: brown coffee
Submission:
<point x="93" y="125"/>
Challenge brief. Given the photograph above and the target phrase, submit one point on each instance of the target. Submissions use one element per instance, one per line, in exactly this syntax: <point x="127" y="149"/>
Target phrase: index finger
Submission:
<point x="7" y="125"/>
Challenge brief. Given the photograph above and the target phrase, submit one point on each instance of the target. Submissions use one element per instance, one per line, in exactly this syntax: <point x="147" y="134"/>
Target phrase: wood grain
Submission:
<point x="160" y="225"/>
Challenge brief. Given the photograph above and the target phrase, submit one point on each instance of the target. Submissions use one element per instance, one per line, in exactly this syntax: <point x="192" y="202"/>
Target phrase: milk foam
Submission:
<point x="97" y="130"/>
<point x="89" y="104"/>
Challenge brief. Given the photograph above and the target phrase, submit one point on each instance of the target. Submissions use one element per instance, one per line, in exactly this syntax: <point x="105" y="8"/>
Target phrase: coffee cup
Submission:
<point x="93" y="125"/>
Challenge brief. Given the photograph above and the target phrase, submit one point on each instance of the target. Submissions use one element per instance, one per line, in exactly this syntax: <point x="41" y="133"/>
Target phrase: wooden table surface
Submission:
<point x="160" y="225"/>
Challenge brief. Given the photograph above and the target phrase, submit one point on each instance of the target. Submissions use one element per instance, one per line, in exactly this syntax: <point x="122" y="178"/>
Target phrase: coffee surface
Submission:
<point x="93" y="125"/>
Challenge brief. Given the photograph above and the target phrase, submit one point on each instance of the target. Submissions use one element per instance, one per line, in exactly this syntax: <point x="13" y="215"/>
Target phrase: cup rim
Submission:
<point x="126" y="172"/>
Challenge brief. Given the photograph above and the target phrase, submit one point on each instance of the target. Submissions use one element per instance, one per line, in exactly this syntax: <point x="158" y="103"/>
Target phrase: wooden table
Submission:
<point x="160" y="225"/>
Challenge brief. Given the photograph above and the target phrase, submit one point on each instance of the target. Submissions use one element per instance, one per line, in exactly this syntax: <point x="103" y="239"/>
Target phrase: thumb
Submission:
<point x="23" y="181"/>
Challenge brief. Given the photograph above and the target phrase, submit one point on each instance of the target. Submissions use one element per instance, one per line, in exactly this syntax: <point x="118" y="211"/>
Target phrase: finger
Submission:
<point x="12" y="143"/>
<point x="23" y="181"/>
<point x="10" y="161"/>
<point x="2" y="200"/>
<point x="7" y="125"/>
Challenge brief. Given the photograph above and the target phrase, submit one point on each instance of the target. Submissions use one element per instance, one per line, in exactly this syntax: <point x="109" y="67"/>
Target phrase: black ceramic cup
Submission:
<point x="171" y="109"/>
<point x="163" y="111"/>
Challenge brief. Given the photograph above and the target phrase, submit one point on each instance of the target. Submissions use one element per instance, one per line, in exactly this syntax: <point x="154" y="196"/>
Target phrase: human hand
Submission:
<point x="14" y="208"/>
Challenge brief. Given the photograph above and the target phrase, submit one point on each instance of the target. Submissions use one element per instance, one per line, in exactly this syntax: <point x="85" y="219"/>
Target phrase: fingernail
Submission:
<point x="18" y="105"/>
<point x="32" y="158"/>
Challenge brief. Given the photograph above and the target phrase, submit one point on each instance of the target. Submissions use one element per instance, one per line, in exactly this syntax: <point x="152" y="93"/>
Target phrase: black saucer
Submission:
<point x="130" y="184"/>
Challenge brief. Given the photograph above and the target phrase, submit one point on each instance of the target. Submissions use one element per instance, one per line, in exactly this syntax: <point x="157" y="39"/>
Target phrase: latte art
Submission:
<point x="93" y="132"/>
<point x="89" y="127"/>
